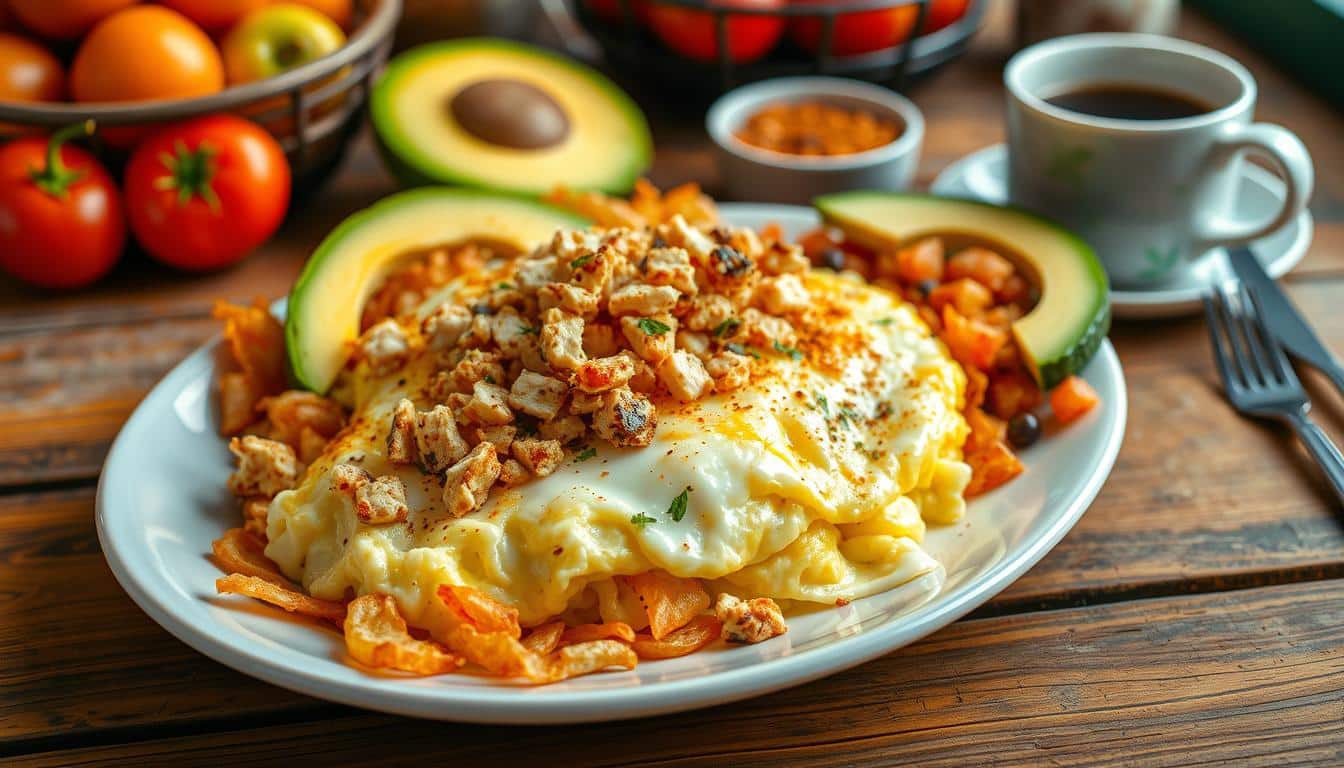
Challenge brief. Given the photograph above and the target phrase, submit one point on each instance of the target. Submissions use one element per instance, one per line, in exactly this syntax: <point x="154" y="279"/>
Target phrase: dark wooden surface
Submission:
<point x="1195" y="616"/>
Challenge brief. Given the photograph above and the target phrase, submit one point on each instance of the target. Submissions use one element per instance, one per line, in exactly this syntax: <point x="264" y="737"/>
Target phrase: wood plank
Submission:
<point x="1248" y="678"/>
<point x="129" y="673"/>
<point x="76" y="655"/>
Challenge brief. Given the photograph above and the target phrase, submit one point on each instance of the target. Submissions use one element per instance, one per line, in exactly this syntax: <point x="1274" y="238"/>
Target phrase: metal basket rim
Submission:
<point x="835" y="8"/>
<point x="375" y="31"/>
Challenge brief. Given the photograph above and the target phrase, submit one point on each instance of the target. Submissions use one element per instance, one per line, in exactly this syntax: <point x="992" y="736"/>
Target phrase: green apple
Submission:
<point x="276" y="38"/>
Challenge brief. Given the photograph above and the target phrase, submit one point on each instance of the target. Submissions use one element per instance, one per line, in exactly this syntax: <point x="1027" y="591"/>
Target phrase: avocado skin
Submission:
<point x="404" y="169"/>
<point x="1048" y="373"/>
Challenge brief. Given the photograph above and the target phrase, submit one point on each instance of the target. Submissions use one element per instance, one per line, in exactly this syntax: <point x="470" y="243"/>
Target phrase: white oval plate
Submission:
<point x="161" y="501"/>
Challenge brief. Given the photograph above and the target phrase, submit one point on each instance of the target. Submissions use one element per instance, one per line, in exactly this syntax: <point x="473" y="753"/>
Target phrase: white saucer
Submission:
<point x="983" y="175"/>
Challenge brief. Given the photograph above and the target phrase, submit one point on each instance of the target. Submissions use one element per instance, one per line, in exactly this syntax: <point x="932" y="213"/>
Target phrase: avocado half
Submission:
<point x="1065" y="329"/>
<point x="606" y="148"/>
<point x="351" y="263"/>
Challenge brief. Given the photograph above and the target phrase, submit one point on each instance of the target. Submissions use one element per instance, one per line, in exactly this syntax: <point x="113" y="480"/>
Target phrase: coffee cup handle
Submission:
<point x="1291" y="161"/>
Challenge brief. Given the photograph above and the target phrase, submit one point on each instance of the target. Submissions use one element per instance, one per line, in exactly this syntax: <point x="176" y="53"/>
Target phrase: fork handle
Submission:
<point x="1322" y="449"/>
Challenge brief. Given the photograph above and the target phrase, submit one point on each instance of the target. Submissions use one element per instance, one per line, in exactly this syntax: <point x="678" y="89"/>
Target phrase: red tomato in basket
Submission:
<point x="611" y="10"/>
<point x="855" y="33"/>
<point x="61" y="223"/>
<point x="943" y="13"/>
<point x="203" y="194"/>
<point x="692" y="33"/>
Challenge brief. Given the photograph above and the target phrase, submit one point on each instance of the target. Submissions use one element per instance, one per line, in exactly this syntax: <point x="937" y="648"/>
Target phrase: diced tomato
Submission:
<point x="971" y="342"/>
<point x="816" y="241"/>
<point x="1013" y="393"/>
<point x="981" y="265"/>
<point x="1015" y="290"/>
<point x="991" y="467"/>
<point x="977" y="383"/>
<point x="985" y="431"/>
<point x="969" y="297"/>
<point x="921" y="260"/>
<point x="930" y="317"/>
<point x="1002" y="316"/>
<point x="1072" y="398"/>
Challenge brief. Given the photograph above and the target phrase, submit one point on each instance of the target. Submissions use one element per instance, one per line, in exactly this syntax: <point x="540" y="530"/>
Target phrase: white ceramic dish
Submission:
<point x="161" y="501"/>
<point x="752" y="173"/>
<point x="983" y="175"/>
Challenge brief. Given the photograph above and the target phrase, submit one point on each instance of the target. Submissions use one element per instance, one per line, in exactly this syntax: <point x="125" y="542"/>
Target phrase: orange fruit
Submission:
<point x="65" y="19"/>
<point x="214" y="15"/>
<point x="28" y="72"/>
<point x="145" y="53"/>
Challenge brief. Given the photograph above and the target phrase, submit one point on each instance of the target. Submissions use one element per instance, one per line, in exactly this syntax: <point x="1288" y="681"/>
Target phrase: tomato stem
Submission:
<point x="190" y="172"/>
<point x="55" y="179"/>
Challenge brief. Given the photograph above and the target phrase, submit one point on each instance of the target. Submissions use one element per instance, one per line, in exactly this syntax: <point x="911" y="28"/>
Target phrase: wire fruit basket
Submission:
<point x="312" y="110"/>
<point x="630" y="46"/>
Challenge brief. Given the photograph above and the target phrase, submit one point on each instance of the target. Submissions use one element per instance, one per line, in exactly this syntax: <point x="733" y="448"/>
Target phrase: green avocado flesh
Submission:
<point x="1065" y="329"/>
<point x="606" y="146"/>
<point x="352" y="262"/>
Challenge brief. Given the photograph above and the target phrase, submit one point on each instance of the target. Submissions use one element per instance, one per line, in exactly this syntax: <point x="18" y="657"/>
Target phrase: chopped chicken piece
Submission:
<point x="265" y="467"/>
<point x="644" y="380"/>
<point x="569" y="297"/>
<point x="669" y="266"/>
<point x="581" y="402"/>
<point x="437" y="440"/>
<point x="401" y="437"/>
<point x="729" y="371"/>
<point x="749" y="621"/>
<point x="680" y="233"/>
<point x="563" y="429"/>
<point x="592" y="271"/>
<point x="533" y="273"/>
<point x="562" y="339"/>
<point x="764" y="330"/>
<point x="501" y="436"/>
<point x="509" y="330"/>
<point x="381" y="501"/>
<point x="570" y="244"/>
<point x="600" y="341"/>
<point x="709" y="313"/>
<point x="783" y="259"/>
<point x="347" y="478"/>
<point x="488" y="405"/>
<point x="385" y="347"/>
<point x="540" y="457"/>
<point x="604" y="373"/>
<point x="466" y="484"/>
<point x="782" y="295"/>
<point x="530" y="356"/>
<point x="478" y="333"/>
<point x="651" y="338"/>
<point x="625" y="418"/>
<point x="255" y="512"/>
<point x="684" y="376"/>
<point x="537" y="395"/>
<point x="512" y="474"/>
<point x="475" y="366"/>
<point x="445" y="325"/>
<point x="695" y="343"/>
<point x="640" y="299"/>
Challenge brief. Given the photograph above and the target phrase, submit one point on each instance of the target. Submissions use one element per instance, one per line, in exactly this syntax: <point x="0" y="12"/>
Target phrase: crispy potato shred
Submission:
<point x="669" y="601"/>
<point x="281" y="596"/>
<point x="376" y="636"/>
<point x="242" y="552"/>
<point x="701" y="631"/>
<point x="647" y="206"/>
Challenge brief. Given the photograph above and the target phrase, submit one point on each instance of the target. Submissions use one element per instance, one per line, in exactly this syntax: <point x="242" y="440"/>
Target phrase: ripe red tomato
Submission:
<point x="855" y="33"/>
<point x="61" y="223"/>
<point x="692" y="33"/>
<point x="204" y="193"/>
<point x="943" y="13"/>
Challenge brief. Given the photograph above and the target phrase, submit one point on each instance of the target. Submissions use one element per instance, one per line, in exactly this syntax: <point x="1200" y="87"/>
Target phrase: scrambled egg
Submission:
<point x="813" y="482"/>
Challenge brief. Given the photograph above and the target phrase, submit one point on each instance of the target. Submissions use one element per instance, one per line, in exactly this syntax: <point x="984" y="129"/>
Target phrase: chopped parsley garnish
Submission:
<point x="584" y="259"/>
<point x="677" y="510"/>
<point x="848" y="416"/>
<point x="642" y="520"/>
<point x="586" y="454"/>
<point x="726" y="327"/>
<point x="738" y="349"/>
<point x="489" y="379"/>
<point x="529" y="330"/>
<point x="822" y="403"/>
<point x="885" y="321"/>
<point x="793" y="353"/>
<point x="652" y="327"/>
<point x="505" y="286"/>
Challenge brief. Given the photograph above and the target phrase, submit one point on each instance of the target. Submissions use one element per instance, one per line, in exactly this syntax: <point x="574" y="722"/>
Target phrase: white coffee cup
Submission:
<point x="1151" y="196"/>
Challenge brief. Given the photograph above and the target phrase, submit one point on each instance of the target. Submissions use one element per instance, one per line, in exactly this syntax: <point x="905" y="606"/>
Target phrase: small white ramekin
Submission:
<point x="761" y="175"/>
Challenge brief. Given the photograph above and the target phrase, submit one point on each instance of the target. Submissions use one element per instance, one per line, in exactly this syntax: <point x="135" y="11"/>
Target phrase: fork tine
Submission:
<point x="1252" y="331"/>
<point x="1279" y="360"/>
<point x="1234" y="341"/>
<point x="1217" y="335"/>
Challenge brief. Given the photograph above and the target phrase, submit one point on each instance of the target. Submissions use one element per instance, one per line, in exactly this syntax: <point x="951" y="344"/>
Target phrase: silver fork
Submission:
<point x="1258" y="378"/>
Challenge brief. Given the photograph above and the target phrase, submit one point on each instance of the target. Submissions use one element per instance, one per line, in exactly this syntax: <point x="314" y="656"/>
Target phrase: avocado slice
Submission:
<point x="1060" y="335"/>
<point x="444" y="114"/>
<point x="350" y="264"/>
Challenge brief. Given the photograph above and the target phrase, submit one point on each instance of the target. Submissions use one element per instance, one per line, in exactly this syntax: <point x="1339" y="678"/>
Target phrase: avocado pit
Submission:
<point x="510" y="113"/>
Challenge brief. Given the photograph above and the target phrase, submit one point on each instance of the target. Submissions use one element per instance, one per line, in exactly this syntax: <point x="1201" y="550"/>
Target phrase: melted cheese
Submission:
<point x="809" y="484"/>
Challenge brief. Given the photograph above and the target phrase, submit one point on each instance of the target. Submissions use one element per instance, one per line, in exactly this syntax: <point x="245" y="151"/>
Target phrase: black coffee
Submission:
<point x="1129" y="102"/>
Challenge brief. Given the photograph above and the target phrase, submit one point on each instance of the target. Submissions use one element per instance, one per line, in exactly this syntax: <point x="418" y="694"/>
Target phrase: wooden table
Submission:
<point x="1194" y="616"/>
